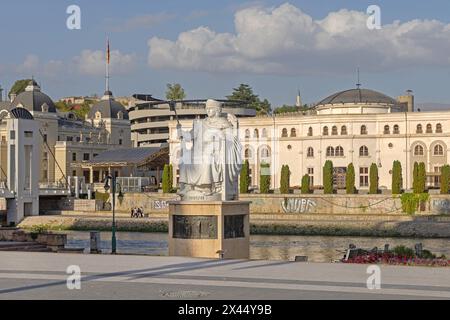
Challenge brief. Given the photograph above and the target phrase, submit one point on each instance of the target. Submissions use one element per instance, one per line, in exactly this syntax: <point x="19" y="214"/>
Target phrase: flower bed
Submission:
<point x="392" y="259"/>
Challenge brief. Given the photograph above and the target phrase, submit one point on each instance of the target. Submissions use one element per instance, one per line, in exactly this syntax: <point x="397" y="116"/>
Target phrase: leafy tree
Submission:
<point x="305" y="184"/>
<point x="264" y="178"/>
<point x="328" y="177"/>
<point x="373" y="179"/>
<point x="19" y="86"/>
<point x="445" y="179"/>
<point x="397" y="180"/>
<point x="350" y="179"/>
<point x="244" y="181"/>
<point x="287" y="108"/>
<point x="175" y="92"/>
<point x="62" y="106"/>
<point x="284" y="179"/>
<point x="83" y="110"/>
<point x="166" y="184"/>
<point x="245" y="93"/>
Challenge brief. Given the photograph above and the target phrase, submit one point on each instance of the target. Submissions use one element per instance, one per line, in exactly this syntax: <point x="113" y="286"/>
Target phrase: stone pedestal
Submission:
<point x="209" y="229"/>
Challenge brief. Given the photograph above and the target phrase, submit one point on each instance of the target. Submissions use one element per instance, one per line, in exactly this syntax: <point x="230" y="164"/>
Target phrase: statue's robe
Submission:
<point x="215" y="154"/>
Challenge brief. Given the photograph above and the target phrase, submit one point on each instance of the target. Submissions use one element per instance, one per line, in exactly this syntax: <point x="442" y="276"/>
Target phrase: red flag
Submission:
<point x="107" y="53"/>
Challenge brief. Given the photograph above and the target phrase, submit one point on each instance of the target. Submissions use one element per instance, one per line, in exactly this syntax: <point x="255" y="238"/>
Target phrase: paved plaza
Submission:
<point x="43" y="276"/>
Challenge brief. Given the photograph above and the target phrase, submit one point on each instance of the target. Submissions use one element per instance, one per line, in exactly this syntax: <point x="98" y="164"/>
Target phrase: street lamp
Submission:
<point x="120" y="196"/>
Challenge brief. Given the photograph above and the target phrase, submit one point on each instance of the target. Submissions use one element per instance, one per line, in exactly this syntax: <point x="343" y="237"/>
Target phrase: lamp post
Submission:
<point x="113" y="191"/>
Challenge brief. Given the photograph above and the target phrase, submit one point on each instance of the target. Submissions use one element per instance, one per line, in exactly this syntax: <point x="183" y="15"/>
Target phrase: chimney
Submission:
<point x="408" y="100"/>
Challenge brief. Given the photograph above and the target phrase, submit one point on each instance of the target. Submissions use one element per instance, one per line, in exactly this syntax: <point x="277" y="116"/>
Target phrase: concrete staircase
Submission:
<point x="23" y="246"/>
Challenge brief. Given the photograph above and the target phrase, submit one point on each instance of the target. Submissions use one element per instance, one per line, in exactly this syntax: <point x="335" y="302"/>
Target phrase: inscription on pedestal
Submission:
<point x="194" y="227"/>
<point x="234" y="226"/>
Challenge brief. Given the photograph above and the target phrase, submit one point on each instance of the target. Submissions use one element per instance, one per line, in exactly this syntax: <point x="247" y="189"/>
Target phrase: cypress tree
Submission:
<point x="305" y="184"/>
<point x="244" y="181"/>
<point x="328" y="177"/>
<point x="397" y="180"/>
<point x="264" y="178"/>
<point x="350" y="179"/>
<point x="445" y="179"/>
<point x="373" y="179"/>
<point x="165" y="179"/>
<point x="284" y="179"/>
<point x="170" y="178"/>
<point x="422" y="174"/>
<point x="416" y="188"/>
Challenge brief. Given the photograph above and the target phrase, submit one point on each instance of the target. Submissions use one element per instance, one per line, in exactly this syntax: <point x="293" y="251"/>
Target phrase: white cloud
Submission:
<point x="92" y="63"/>
<point x="285" y="40"/>
<point x="33" y="66"/>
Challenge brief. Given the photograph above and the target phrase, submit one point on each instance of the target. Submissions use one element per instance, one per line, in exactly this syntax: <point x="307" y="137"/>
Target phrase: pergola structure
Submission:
<point x="131" y="162"/>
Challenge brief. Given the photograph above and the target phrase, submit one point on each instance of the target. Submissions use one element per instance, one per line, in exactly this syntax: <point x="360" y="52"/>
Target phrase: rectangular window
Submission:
<point x="311" y="176"/>
<point x="74" y="156"/>
<point x="86" y="156"/>
<point x="120" y="141"/>
<point x="363" y="176"/>
<point x="74" y="173"/>
<point x="437" y="177"/>
<point x="28" y="134"/>
<point x="69" y="138"/>
<point x="12" y="134"/>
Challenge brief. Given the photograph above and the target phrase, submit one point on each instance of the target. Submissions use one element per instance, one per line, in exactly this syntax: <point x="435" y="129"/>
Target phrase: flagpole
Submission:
<point x="107" y="66"/>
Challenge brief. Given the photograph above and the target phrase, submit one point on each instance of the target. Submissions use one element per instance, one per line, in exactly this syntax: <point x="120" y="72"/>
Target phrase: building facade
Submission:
<point x="358" y="126"/>
<point x="65" y="138"/>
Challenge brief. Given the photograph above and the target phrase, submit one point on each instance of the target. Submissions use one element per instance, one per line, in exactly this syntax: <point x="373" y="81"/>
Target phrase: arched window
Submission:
<point x="439" y="128"/>
<point x="363" y="129"/>
<point x="310" y="131"/>
<point x="325" y="131"/>
<point x="247" y="133"/>
<point x="343" y="130"/>
<point x="248" y="153"/>
<point x="339" y="151"/>
<point x="396" y="129"/>
<point x="419" y="128"/>
<point x="330" y="151"/>
<point x="284" y="133"/>
<point x="334" y="131"/>
<point x="363" y="151"/>
<point x="255" y="133"/>
<point x="310" y="152"/>
<point x="265" y="153"/>
<point x="386" y="129"/>
<point x="438" y="150"/>
<point x="264" y="133"/>
<point x="418" y="150"/>
<point x="293" y="132"/>
<point x="429" y="128"/>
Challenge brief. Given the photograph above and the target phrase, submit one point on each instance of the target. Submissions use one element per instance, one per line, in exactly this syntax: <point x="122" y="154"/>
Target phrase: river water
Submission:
<point x="267" y="247"/>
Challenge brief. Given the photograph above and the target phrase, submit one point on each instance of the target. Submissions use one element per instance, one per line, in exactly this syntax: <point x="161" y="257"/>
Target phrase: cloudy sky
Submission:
<point x="211" y="46"/>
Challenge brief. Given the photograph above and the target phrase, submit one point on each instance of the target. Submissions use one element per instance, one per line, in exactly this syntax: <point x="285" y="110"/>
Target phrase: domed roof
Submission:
<point x="108" y="108"/>
<point x="32" y="99"/>
<point x="358" y="96"/>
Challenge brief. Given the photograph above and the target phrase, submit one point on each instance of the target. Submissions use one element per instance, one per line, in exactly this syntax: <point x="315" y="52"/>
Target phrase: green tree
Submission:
<point x="373" y="179"/>
<point x="245" y="93"/>
<point x="62" y="106"/>
<point x="285" y="179"/>
<point x="264" y="178"/>
<point x="328" y="177"/>
<point x="305" y="184"/>
<point x="82" y="111"/>
<point x="244" y="181"/>
<point x="445" y="179"/>
<point x="166" y="184"/>
<point x="170" y="178"/>
<point x="287" y="108"/>
<point x="19" y="86"/>
<point x="397" y="180"/>
<point x="416" y="178"/>
<point x="422" y="178"/>
<point x="175" y="92"/>
<point x="350" y="179"/>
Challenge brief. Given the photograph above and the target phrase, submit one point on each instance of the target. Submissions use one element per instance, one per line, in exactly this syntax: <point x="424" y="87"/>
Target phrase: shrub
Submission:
<point x="284" y="179"/>
<point x="306" y="184"/>
<point x="404" y="251"/>
<point x="350" y="179"/>
<point x="264" y="178"/>
<point x="103" y="196"/>
<point x="397" y="180"/>
<point x="411" y="201"/>
<point x="244" y="179"/>
<point x="328" y="177"/>
<point x="445" y="179"/>
<point x="373" y="179"/>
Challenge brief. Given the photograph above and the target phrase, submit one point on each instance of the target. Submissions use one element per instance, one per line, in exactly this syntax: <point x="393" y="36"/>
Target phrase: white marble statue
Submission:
<point x="210" y="159"/>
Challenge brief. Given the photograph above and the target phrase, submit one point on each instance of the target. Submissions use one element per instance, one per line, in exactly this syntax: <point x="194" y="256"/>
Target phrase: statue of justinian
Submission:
<point x="210" y="158"/>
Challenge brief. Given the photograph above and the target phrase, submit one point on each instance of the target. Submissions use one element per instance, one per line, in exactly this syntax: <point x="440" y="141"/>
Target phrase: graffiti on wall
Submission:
<point x="297" y="205"/>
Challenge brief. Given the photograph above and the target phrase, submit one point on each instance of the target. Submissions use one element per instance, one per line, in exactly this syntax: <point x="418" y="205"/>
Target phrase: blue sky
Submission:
<point x="224" y="43"/>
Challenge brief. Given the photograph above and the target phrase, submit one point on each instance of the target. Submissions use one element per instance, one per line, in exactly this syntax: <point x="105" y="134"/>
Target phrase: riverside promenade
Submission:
<point x="29" y="275"/>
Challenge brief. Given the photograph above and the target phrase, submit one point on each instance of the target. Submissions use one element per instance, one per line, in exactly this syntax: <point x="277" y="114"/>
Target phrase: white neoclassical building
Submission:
<point x="358" y="126"/>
